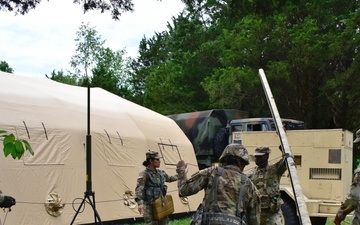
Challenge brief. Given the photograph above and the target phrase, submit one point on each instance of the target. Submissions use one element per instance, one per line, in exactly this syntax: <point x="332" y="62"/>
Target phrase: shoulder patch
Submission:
<point x="141" y="175"/>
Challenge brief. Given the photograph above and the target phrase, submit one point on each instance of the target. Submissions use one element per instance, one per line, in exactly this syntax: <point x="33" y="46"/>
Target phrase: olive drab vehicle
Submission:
<point x="206" y="130"/>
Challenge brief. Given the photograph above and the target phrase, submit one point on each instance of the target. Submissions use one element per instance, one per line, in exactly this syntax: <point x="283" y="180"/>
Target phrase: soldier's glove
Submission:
<point x="181" y="164"/>
<point x="181" y="168"/>
<point x="8" y="202"/>
<point x="337" y="220"/>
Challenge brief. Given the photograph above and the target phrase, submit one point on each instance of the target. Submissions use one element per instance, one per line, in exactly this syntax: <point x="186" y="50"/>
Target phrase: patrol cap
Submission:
<point x="152" y="155"/>
<point x="262" y="150"/>
<point x="357" y="140"/>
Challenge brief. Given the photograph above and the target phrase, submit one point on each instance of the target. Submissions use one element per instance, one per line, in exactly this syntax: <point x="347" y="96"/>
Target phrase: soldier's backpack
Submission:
<point x="216" y="217"/>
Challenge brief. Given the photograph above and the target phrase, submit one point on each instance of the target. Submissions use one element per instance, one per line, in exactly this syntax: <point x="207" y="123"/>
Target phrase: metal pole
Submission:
<point x="88" y="193"/>
<point x="299" y="197"/>
<point x="88" y="145"/>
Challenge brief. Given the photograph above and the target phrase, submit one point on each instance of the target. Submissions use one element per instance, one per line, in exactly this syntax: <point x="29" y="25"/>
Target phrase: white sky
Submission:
<point x="42" y="40"/>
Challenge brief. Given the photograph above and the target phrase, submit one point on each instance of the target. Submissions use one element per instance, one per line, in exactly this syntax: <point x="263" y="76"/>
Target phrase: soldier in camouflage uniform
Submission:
<point x="267" y="180"/>
<point x="352" y="200"/>
<point x="150" y="186"/>
<point x="233" y="160"/>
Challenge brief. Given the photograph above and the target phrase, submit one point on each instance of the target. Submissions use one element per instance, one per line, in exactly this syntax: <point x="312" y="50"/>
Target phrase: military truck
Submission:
<point x="207" y="132"/>
<point x="323" y="161"/>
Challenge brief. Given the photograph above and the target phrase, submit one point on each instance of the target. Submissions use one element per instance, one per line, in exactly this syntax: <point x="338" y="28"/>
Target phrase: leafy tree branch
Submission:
<point x="116" y="7"/>
<point x="13" y="146"/>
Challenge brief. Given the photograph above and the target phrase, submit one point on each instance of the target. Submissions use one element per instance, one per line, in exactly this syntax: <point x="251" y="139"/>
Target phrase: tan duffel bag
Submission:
<point x="163" y="209"/>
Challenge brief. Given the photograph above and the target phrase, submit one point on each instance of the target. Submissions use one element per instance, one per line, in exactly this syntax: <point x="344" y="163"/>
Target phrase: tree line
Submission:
<point x="210" y="54"/>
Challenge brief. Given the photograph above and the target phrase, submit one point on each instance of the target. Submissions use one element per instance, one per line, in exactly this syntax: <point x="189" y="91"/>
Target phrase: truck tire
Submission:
<point x="288" y="209"/>
<point x="220" y="142"/>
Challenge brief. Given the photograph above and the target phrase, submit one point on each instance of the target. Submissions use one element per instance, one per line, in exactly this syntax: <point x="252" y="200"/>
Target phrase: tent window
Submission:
<point x="170" y="153"/>
<point x="118" y="151"/>
<point x="50" y="147"/>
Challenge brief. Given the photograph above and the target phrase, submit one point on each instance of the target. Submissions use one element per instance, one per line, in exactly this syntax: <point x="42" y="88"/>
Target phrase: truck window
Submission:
<point x="293" y="126"/>
<point x="238" y="128"/>
<point x="289" y="125"/>
<point x="264" y="124"/>
<point x="256" y="127"/>
<point x="272" y="125"/>
<point x="253" y="127"/>
<point x="264" y="127"/>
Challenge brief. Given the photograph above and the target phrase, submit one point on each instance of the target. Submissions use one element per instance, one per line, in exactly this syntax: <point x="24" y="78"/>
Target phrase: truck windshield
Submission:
<point x="290" y="125"/>
<point x="264" y="124"/>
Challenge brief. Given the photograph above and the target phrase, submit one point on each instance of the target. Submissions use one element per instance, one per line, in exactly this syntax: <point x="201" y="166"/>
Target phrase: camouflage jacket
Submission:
<point x="267" y="180"/>
<point x="352" y="201"/>
<point x="151" y="185"/>
<point x="228" y="191"/>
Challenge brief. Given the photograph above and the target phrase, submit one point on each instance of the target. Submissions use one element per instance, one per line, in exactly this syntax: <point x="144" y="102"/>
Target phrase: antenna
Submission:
<point x="88" y="194"/>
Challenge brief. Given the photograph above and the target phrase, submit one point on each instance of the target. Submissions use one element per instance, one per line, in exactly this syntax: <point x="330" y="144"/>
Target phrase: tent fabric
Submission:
<point x="52" y="117"/>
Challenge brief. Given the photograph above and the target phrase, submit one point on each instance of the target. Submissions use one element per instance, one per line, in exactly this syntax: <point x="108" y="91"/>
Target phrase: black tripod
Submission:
<point x="88" y="193"/>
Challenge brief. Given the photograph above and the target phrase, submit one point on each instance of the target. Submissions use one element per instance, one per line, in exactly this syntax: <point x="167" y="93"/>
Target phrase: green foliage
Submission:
<point x="61" y="77"/>
<point x="173" y="64"/>
<point x="4" y="66"/>
<point x="96" y="65"/>
<point x="115" y="7"/>
<point x="211" y="54"/>
<point x="13" y="146"/>
<point x="356" y="157"/>
<point x="88" y="47"/>
<point x="110" y="72"/>
<point x="229" y="87"/>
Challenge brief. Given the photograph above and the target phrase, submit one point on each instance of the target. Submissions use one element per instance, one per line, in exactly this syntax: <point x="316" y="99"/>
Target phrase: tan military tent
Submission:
<point x="50" y="185"/>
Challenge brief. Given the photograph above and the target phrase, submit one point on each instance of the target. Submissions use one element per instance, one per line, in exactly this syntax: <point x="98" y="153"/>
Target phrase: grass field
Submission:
<point x="186" y="221"/>
<point x="347" y="221"/>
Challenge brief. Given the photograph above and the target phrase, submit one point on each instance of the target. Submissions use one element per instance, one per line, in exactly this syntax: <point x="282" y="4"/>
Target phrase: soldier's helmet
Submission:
<point x="235" y="150"/>
<point x="357" y="140"/>
<point x="152" y="155"/>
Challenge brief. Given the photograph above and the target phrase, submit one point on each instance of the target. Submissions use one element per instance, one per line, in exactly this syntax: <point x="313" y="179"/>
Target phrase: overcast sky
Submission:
<point x="36" y="43"/>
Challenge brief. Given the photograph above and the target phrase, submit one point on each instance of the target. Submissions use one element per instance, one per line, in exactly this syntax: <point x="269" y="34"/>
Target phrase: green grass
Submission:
<point x="184" y="221"/>
<point x="187" y="220"/>
<point x="330" y="220"/>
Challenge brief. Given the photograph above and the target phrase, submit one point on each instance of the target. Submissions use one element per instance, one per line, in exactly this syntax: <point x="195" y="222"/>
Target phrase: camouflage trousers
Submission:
<point x="149" y="218"/>
<point x="355" y="220"/>
<point x="270" y="218"/>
